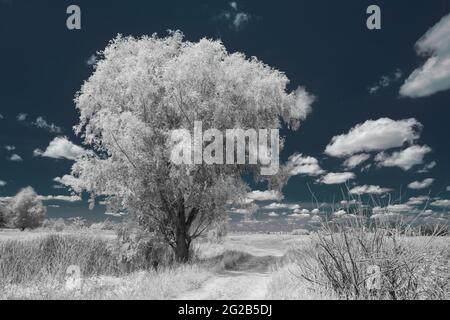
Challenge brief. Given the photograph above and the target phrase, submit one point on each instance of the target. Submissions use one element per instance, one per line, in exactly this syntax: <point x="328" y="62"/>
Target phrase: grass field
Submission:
<point x="33" y="265"/>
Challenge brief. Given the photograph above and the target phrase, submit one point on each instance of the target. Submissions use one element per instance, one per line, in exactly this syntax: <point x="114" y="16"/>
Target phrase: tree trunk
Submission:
<point x="182" y="249"/>
<point x="182" y="237"/>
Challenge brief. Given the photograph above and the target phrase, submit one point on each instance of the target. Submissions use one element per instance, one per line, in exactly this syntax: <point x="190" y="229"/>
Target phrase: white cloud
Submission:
<point x="441" y="203"/>
<point x="368" y="189"/>
<point x="22" y="117"/>
<point x="300" y="215"/>
<point x="42" y="124"/>
<point x="416" y="201"/>
<point x="240" y="20"/>
<point x="339" y="213"/>
<point x="304" y="165"/>
<point x="10" y="148"/>
<point x="60" y="198"/>
<point x="15" y="157"/>
<point x="115" y="214"/>
<point x="92" y="60"/>
<point x="273" y="214"/>
<point x="2" y="183"/>
<point x="336" y="177"/>
<point x="277" y="206"/>
<point x="417" y="185"/>
<point x="434" y="75"/>
<point x="448" y="188"/>
<point x="61" y="148"/>
<point x="240" y="211"/>
<point x="401" y="208"/>
<point x="386" y="81"/>
<point x="405" y="159"/>
<point x="1" y="117"/>
<point x="428" y="167"/>
<point x="66" y="180"/>
<point x="374" y="135"/>
<point x="356" y="160"/>
<point x="269" y="195"/>
<point x="236" y="19"/>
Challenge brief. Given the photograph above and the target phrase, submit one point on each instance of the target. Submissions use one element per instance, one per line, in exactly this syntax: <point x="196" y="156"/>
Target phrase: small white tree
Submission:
<point x="27" y="209"/>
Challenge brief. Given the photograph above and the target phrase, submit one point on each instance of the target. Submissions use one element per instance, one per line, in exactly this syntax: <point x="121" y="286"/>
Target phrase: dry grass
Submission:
<point x="327" y="265"/>
<point x="36" y="269"/>
<point x="161" y="284"/>
<point x="340" y="261"/>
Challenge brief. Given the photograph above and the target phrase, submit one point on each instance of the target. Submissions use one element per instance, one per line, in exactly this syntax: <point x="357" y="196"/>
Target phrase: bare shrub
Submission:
<point x="343" y="257"/>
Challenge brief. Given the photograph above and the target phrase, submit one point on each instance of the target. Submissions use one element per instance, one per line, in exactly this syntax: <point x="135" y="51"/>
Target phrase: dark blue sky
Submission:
<point x="321" y="45"/>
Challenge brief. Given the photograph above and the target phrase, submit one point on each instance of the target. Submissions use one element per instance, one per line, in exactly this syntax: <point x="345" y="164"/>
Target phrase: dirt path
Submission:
<point x="232" y="285"/>
<point x="248" y="280"/>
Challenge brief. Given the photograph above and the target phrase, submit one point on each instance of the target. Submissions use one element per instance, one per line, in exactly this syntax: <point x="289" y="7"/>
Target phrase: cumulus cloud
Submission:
<point x="300" y="215"/>
<point x="2" y="183"/>
<point x="66" y="180"/>
<point x="401" y="208"/>
<point x="235" y="18"/>
<point x="405" y="159"/>
<point x="10" y="148"/>
<point x="428" y="167"/>
<point x="356" y="160"/>
<point x="43" y="124"/>
<point x="269" y="195"/>
<point x="339" y="213"/>
<point x="417" y="201"/>
<point x="61" y="148"/>
<point x="91" y="60"/>
<point x="1" y="117"/>
<point x="386" y="81"/>
<point x="369" y="189"/>
<point x="303" y="165"/>
<point x="448" y="188"/>
<point x="417" y="185"/>
<point x="22" y="117"/>
<point x="374" y="135"/>
<point x="336" y="177"/>
<point x="441" y="203"/>
<point x="60" y="198"/>
<point x="277" y="206"/>
<point x="240" y="211"/>
<point x="434" y="75"/>
<point x="273" y="214"/>
<point x="15" y="157"/>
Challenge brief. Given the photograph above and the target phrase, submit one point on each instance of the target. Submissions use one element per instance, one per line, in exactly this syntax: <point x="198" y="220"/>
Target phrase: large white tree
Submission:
<point x="141" y="89"/>
<point x="26" y="209"/>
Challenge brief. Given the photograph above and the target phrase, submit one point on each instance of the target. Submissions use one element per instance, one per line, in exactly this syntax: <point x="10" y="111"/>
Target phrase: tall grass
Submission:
<point x="36" y="269"/>
<point x="360" y="262"/>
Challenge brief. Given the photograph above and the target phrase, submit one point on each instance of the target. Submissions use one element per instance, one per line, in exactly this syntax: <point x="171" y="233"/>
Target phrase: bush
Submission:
<point x="300" y="232"/>
<point x="3" y="217"/>
<point x="138" y="249"/>
<point x="27" y="210"/>
<point x="343" y="260"/>
<point x="57" y="225"/>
